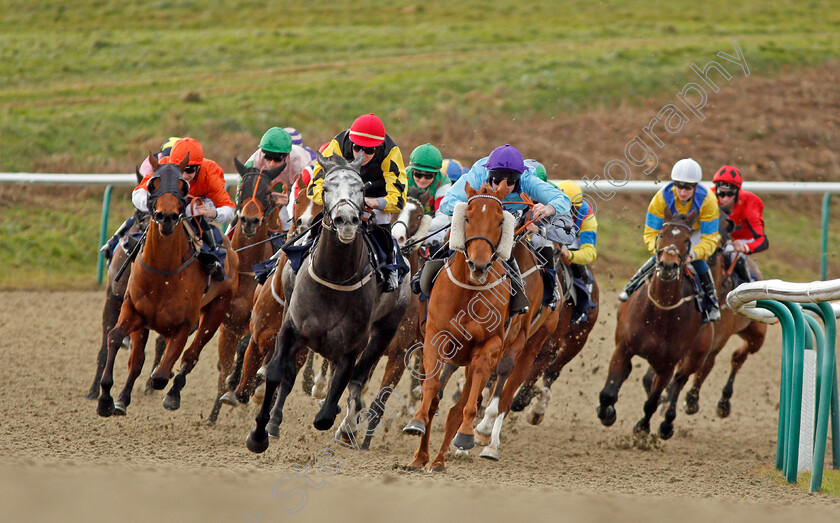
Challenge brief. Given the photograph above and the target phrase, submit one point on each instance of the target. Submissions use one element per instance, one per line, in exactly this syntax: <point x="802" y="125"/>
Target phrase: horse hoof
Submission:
<point x="229" y="398"/>
<point x="257" y="444"/>
<point x="666" y="431"/>
<point x="105" y="407"/>
<point x="319" y="391"/>
<point x="724" y="409"/>
<point x="482" y="439"/>
<point x="273" y="429"/>
<point x="490" y="453"/>
<point x="691" y="408"/>
<point x="92" y="395"/>
<point x="520" y="402"/>
<point x="437" y="468"/>
<point x="606" y="415"/>
<point x="463" y="441"/>
<point x="172" y="402"/>
<point x="323" y="421"/>
<point x="259" y="394"/>
<point x="415" y="427"/>
<point x="536" y="419"/>
<point x="158" y="383"/>
<point x="119" y="408"/>
<point x="641" y="428"/>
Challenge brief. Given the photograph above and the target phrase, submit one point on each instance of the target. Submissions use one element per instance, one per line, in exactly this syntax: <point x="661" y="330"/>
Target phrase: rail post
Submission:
<point x="103" y="233"/>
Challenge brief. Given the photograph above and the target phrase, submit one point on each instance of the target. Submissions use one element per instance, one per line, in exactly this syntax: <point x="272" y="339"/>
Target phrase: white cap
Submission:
<point x="687" y="171"/>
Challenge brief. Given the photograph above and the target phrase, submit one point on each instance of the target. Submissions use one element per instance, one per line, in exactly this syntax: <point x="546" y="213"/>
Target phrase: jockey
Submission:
<point x="385" y="180"/>
<point x="452" y="168"/>
<point x="506" y="163"/>
<point x="144" y="169"/>
<point x="583" y="251"/>
<point x="210" y="201"/>
<point x="276" y="149"/>
<point x="544" y="246"/>
<point x="745" y="213"/>
<point x="682" y="195"/>
<point x="424" y="171"/>
<point x="297" y="139"/>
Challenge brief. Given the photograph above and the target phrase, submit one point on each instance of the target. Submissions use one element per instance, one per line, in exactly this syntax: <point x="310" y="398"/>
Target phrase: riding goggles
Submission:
<point x="367" y="150"/>
<point x="496" y="176"/>
<point x="274" y="157"/>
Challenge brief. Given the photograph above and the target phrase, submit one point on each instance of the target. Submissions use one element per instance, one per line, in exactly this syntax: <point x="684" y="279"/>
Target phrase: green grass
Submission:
<point x="90" y="85"/>
<point x="830" y="480"/>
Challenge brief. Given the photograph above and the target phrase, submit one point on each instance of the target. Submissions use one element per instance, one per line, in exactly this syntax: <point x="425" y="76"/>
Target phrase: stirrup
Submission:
<point x="390" y="283"/>
<point x="623" y="296"/>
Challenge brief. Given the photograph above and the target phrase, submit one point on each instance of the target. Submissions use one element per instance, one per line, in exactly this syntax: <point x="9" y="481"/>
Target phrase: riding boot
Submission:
<point x="519" y="302"/>
<point x="547" y="253"/>
<point x="207" y="255"/>
<point x="741" y="268"/>
<point x="111" y="245"/>
<point x="637" y="279"/>
<point x="709" y="289"/>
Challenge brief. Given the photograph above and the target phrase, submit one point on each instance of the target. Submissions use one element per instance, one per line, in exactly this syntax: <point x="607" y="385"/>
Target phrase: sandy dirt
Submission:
<point x="62" y="461"/>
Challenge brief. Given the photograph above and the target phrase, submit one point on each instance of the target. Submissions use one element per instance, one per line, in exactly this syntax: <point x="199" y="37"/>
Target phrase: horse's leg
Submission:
<point x="236" y="374"/>
<point x="503" y="370"/>
<point x="393" y="373"/>
<point x="110" y="315"/>
<point x="647" y="379"/>
<point x="129" y="322"/>
<point x="571" y="347"/>
<point x="421" y="455"/>
<point x="325" y="418"/>
<point x="453" y="420"/>
<point x="211" y="317"/>
<point x="319" y="386"/>
<point x="481" y="366"/>
<point x="753" y="336"/>
<point x="692" y="397"/>
<point x="528" y="389"/>
<point x="430" y="385"/>
<point x="252" y="361"/>
<point x="620" y="368"/>
<point x="229" y="338"/>
<point x="135" y="365"/>
<point x="652" y="402"/>
<point x="448" y="370"/>
<point x="692" y="364"/>
<point x="308" y="380"/>
<point x="280" y="373"/>
<point x="160" y="347"/>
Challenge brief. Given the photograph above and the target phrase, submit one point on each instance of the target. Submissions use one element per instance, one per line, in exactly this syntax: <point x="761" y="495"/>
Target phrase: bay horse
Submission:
<point x="269" y="305"/>
<point x="114" y="294"/>
<point x="468" y="311"/>
<point x="335" y="307"/>
<point x="257" y="214"/>
<point x="167" y="292"/>
<point x="722" y="265"/>
<point x="410" y="225"/>
<point x="562" y="346"/>
<point x="660" y="323"/>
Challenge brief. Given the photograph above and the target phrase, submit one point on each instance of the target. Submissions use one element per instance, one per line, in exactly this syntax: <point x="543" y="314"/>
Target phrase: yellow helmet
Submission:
<point x="572" y="190"/>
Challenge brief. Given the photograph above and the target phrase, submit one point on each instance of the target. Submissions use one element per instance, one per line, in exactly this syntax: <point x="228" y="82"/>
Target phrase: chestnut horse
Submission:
<point x="257" y="214"/>
<point x="562" y="346"/>
<point x="166" y="292"/>
<point x="468" y="311"/>
<point x="752" y="332"/>
<point x="335" y="307"/>
<point x="660" y="322"/>
<point x="269" y="303"/>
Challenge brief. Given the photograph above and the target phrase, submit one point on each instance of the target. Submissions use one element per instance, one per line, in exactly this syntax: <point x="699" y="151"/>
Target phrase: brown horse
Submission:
<point x="257" y="220"/>
<point x="269" y="303"/>
<point x="660" y="323"/>
<point x="752" y="332"/>
<point x="468" y="310"/>
<point x="562" y="346"/>
<point x="409" y="225"/>
<point x="166" y="292"/>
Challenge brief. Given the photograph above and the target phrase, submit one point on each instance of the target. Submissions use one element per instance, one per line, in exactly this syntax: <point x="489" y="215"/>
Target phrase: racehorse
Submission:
<point x="114" y="294"/>
<point x="335" y="307"/>
<point x="167" y="292"/>
<point x="257" y="214"/>
<point x="722" y="265"/>
<point x="468" y="311"/>
<point x="269" y="303"/>
<point x="562" y="346"/>
<point x="409" y="226"/>
<point x="660" y="323"/>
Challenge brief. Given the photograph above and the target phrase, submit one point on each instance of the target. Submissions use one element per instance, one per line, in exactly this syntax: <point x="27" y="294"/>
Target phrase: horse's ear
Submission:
<point x="274" y="173"/>
<point x="666" y="215"/>
<point x="425" y="197"/>
<point x="153" y="162"/>
<point x="326" y="163"/>
<point x="137" y="174"/>
<point x="690" y="217"/>
<point x="356" y="164"/>
<point x="469" y="190"/>
<point x="185" y="161"/>
<point x="503" y="190"/>
<point x="240" y="167"/>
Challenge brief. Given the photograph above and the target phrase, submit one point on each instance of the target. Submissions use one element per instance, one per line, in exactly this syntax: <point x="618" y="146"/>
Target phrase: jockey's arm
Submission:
<point x="754" y="223"/>
<point x="709" y="235"/>
<point x="396" y="182"/>
<point x="588" y="236"/>
<point x="546" y="194"/>
<point x="654" y="220"/>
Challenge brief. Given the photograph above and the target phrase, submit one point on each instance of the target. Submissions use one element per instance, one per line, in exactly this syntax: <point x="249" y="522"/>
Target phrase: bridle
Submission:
<point x="493" y="246"/>
<point x="167" y="185"/>
<point x="414" y="201"/>
<point x="671" y="249"/>
<point x="255" y="198"/>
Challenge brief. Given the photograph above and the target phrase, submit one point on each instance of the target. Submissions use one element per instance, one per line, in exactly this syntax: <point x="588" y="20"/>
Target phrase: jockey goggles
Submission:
<point x="191" y="169"/>
<point x="417" y="173"/>
<point x="496" y="176"/>
<point x="274" y="157"/>
<point x="685" y="186"/>
<point x="367" y="150"/>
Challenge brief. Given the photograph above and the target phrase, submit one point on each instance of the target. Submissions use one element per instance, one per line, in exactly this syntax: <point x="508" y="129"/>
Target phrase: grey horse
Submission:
<point x="333" y="306"/>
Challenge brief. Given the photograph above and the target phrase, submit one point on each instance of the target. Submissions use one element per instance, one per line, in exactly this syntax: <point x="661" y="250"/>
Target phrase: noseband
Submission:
<point x="671" y="249"/>
<point x="264" y="200"/>
<point x="493" y="246"/>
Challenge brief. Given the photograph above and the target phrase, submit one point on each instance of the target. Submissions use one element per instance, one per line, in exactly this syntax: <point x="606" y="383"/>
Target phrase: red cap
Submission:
<point x="367" y="131"/>
<point x="184" y="146"/>
<point x="728" y="175"/>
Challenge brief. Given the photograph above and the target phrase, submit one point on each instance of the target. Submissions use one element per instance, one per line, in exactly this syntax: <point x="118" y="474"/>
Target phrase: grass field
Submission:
<point x="90" y="86"/>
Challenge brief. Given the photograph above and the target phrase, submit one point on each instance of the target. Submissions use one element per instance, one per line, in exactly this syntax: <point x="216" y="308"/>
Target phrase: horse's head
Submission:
<point x="673" y="245"/>
<point x="168" y="192"/>
<point x="254" y="197"/>
<point x="343" y="195"/>
<point x="305" y="210"/>
<point x="413" y="217"/>
<point x="482" y="229"/>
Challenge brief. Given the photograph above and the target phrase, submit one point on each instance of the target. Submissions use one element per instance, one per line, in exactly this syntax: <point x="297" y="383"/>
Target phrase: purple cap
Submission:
<point x="506" y="157"/>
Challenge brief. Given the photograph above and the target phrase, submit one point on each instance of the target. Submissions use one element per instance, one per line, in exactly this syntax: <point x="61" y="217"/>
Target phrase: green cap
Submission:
<point x="427" y="158"/>
<point x="276" y="140"/>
